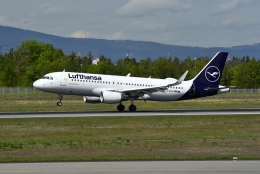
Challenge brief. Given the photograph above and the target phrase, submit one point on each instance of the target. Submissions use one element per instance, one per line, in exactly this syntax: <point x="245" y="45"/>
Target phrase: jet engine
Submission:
<point x="91" y="99"/>
<point x="110" y="97"/>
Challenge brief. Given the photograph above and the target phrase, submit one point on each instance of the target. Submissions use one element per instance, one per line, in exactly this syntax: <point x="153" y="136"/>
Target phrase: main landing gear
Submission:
<point x="120" y="107"/>
<point x="59" y="102"/>
<point x="132" y="107"/>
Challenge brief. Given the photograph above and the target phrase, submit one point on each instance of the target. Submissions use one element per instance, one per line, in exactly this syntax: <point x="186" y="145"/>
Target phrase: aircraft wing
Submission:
<point x="154" y="88"/>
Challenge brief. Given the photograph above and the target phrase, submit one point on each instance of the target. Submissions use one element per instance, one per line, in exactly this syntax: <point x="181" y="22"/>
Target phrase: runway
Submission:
<point x="138" y="113"/>
<point x="130" y="167"/>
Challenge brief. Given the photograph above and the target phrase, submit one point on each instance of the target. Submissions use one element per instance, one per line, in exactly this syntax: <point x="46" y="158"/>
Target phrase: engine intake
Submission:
<point x="110" y="97"/>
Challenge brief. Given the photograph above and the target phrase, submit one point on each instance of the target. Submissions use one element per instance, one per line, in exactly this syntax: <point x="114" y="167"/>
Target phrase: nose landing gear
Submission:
<point x="59" y="102"/>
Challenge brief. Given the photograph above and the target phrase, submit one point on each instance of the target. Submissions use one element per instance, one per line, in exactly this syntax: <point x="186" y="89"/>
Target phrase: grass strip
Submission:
<point x="47" y="103"/>
<point x="130" y="138"/>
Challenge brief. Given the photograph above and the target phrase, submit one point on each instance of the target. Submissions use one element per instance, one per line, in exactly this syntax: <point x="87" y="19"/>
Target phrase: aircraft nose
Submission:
<point x="37" y="84"/>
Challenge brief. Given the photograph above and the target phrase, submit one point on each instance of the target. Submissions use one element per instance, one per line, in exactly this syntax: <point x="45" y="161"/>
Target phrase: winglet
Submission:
<point x="179" y="81"/>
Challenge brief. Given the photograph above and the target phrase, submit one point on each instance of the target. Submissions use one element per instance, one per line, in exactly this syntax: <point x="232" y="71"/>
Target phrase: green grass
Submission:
<point x="130" y="138"/>
<point x="47" y="103"/>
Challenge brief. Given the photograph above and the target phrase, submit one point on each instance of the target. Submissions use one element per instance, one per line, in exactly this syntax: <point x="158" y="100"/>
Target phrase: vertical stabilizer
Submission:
<point x="206" y="83"/>
<point x="210" y="75"/>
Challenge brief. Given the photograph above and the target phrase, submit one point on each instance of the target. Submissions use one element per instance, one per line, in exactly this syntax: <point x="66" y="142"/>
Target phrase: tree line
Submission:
<point x="32" y="59"/>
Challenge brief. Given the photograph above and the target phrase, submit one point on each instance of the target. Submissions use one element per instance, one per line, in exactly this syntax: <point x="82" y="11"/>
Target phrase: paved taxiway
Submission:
<point x="130" y="167"/>
<point x="138" y="113"/>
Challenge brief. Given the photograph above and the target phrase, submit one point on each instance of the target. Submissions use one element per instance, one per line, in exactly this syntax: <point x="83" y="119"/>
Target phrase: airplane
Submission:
<point x="100" y="88"/>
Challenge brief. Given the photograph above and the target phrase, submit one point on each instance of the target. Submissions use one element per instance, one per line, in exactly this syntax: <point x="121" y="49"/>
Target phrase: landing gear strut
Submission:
<point x="59" y="102"/>
<point x="132" y="107"/>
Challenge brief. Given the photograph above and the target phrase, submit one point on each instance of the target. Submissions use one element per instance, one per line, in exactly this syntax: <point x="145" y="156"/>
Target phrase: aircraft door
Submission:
<point x="62" y="79"/>
<point x="192" y="89"/>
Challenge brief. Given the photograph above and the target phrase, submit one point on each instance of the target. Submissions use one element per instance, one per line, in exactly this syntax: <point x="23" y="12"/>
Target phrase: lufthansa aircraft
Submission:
<point x="99" y="88"/>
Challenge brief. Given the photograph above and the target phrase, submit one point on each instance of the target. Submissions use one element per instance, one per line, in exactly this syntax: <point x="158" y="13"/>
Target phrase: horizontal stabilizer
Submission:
<point x="220" y="89"/>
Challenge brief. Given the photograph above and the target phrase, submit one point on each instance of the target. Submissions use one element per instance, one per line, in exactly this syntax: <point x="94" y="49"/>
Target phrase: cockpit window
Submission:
<point x="51" y="78"/>
<point x="44" y="77"/>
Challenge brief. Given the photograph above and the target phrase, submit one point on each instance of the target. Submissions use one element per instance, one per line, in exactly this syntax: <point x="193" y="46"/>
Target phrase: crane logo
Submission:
<point x="212" y="74"/>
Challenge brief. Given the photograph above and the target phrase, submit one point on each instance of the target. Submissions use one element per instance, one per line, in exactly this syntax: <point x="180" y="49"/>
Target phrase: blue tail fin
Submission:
<point x="210" y="75"/>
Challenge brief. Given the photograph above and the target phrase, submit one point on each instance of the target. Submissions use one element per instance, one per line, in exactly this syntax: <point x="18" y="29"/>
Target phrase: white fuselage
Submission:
<point x="99" y="88"/>
<point x="85" y="84"/>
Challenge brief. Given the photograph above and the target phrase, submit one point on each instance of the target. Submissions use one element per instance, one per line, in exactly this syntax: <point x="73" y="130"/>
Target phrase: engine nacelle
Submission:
<point x="110" y="97"/>
<point x="91" y="99"/>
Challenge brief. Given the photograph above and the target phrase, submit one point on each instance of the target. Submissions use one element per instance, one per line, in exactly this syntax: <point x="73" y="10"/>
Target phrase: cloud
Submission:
<point x="80" y="34"/>
<point x="229" y="6"/>
<point x="47" y="10"/>
<point x="148" y="25"/>
<point x="234" y="23"/>
<point x="5" y="21"/>
<point x="53" y="11"/>
<point x="143" y="7"/>
<point x="25" y="22"/>
<point x="116" y="36"/>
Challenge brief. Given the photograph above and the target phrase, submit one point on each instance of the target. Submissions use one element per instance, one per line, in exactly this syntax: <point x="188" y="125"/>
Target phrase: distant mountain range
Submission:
<point x="115" y="49"/>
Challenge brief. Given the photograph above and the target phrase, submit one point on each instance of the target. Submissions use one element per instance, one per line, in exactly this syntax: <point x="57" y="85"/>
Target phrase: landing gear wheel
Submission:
<point x="60" y="97"/>
<point x="120" y="107"/>
<point x="59" y="103"/>
<point x="132" y="108"/>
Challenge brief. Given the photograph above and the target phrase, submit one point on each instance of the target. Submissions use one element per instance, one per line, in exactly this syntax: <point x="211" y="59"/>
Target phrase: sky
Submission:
<point x="200" y="23"/>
